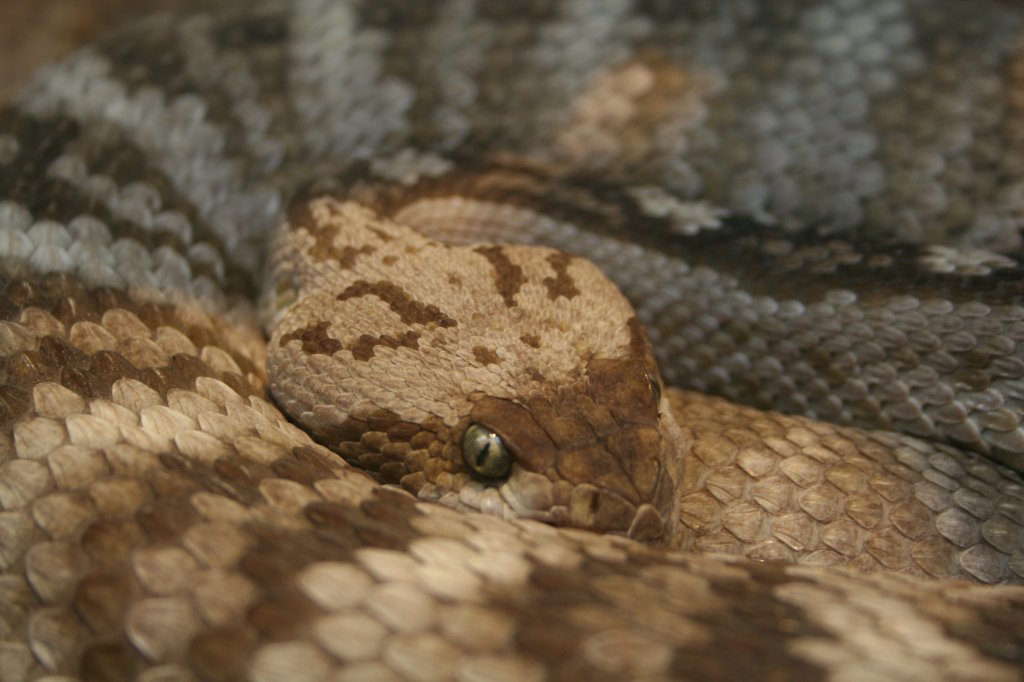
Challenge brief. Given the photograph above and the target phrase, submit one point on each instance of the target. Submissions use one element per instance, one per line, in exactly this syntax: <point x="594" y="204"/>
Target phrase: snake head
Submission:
<point x="597" y="454"/>
<point x="511" y="380"/>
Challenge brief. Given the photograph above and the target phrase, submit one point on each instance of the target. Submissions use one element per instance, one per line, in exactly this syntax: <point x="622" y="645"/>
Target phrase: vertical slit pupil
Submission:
<point x="482" y="455"/>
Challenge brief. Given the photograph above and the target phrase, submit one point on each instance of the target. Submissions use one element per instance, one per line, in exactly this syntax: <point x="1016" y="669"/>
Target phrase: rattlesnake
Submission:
<point x="163" y="518"/>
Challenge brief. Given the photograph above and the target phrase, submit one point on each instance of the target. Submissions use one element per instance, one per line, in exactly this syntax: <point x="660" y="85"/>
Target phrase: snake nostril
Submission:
<point x="655" y="387"/>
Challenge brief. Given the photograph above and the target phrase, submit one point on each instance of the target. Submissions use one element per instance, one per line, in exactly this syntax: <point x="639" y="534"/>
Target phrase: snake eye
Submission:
<point x="485" y="453"/>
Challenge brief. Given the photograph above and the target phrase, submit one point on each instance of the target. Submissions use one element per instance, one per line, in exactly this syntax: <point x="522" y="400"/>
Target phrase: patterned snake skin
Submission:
<point x="813" y="208"/>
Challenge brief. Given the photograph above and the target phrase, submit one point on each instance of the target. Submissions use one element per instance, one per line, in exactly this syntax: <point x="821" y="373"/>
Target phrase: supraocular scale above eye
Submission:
<point x="485" y="453"/>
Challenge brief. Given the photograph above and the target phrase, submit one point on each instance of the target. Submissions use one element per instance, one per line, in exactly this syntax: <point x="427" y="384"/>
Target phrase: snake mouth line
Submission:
<point x="561" y="504"/>
<point x="490" y="499"/>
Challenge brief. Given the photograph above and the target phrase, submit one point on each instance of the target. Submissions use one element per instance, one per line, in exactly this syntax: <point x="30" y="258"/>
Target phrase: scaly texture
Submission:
<point x="162" y="519"/>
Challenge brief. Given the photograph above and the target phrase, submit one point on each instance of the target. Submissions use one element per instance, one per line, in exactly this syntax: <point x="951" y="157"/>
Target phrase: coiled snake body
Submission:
<point x="519" y="496"/>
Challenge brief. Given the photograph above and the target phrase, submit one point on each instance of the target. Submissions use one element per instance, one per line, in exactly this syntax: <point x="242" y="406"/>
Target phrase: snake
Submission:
<point x="521" y="340"/>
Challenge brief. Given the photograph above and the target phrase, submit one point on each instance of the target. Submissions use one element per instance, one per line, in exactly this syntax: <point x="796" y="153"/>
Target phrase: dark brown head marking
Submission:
<point x="531" y="340"/>
<point x="362" y="348"/>
<point x="508" y="277"/>
<point x="324" y="249"/>
<point x="561" y="284"/>
<point x="486" y="356"/>
<point x="314" y="339"/>
<point x="407" y="308"/>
